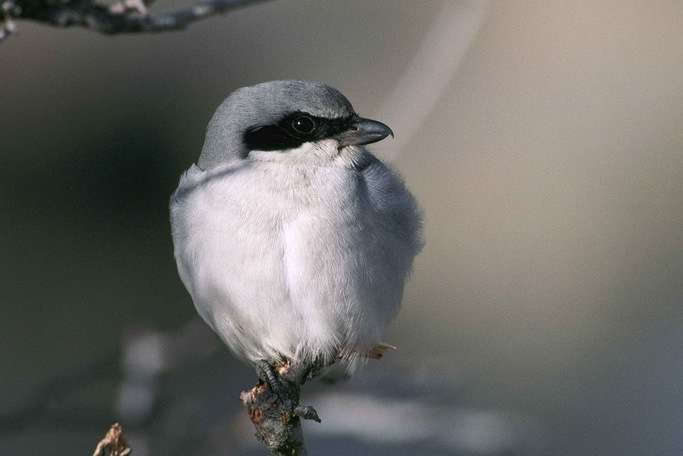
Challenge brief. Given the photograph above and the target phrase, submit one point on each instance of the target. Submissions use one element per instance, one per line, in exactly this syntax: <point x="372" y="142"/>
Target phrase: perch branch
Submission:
<point x="276" y="413"/>
<point x="126" y="16"/>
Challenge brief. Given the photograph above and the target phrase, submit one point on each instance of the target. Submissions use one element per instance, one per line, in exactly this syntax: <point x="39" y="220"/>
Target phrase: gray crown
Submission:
<point x="264" y="104"/>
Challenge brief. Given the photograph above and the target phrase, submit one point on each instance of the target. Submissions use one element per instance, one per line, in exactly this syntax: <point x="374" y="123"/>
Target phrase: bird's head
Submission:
<point x="286" y="121"/>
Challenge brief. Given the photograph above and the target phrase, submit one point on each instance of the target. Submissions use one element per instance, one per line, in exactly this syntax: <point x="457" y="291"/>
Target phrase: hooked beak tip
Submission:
<point x="365" y="131"/>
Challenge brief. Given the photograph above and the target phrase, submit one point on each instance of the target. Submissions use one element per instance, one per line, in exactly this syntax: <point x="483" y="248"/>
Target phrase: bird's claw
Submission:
<point x="282" y="390"/>
<point x="267" y="374"/>
<point x="307" y="413"/>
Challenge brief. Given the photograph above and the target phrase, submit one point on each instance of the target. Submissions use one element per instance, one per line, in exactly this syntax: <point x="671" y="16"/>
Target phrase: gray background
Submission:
<point x="543" y="139"/>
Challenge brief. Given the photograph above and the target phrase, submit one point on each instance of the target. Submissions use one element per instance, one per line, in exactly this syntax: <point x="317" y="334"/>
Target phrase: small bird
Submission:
<point x="293" y="240"/>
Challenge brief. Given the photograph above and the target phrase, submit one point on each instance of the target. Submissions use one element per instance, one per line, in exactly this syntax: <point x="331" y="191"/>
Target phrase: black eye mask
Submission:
<point x="293" y="130"/>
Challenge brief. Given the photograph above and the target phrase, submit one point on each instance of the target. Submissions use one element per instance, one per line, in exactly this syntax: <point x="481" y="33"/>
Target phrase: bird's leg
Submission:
<point x="270" y="377"/>
<point x="285" y="390"/>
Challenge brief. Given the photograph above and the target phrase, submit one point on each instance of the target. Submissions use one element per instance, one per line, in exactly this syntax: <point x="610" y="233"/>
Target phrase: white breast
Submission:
<point x="300" y="261"/>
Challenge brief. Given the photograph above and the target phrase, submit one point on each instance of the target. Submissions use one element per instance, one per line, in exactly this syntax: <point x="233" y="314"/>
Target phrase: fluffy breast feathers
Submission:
<point x="294" y="260"/>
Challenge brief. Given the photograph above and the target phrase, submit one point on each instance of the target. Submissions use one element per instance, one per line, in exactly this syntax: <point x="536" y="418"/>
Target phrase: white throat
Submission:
<point x="320" y="153"/>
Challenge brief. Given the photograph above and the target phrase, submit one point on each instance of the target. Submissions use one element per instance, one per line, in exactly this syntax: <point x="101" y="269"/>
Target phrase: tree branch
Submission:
<point x="277" y="415"/>
<point x="126" y="16"/>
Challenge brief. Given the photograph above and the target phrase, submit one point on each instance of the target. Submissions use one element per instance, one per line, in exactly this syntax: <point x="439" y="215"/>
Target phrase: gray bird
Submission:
<point x="293" y="240"/>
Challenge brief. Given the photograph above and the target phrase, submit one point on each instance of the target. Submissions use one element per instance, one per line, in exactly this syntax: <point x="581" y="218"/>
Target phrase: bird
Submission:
<point x="292" y="239"/>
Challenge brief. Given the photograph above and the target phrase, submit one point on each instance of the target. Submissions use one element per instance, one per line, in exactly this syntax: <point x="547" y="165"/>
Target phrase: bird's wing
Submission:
<point x="391" y="198"/>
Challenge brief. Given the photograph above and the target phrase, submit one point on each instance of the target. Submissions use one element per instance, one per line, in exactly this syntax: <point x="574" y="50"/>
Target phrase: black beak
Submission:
<point x="363" y="131"/>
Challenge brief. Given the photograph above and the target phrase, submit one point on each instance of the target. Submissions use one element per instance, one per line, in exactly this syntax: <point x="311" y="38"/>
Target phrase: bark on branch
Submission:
<point x="125" y="16"/>
<point x="276" y="426"/>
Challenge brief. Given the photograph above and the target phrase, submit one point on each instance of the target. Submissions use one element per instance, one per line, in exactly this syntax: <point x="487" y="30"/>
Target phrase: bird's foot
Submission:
<point x="268" y="375"/>
<point x="306" y="412"/>
<point x="285" y="391"/>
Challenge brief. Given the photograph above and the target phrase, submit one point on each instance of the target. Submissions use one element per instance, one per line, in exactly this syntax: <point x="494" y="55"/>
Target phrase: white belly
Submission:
<point x="302" y="266"/>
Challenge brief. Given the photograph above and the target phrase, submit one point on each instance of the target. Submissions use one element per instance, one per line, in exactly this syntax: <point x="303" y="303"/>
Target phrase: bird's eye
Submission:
<point x="303" y="124"/>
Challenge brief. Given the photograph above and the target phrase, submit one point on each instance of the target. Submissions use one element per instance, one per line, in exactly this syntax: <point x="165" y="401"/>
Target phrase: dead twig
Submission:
<point x="113" y="443"/>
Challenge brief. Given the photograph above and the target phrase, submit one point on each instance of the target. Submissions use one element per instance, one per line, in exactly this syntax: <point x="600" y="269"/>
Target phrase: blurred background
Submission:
<point x="543" y="139"/>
